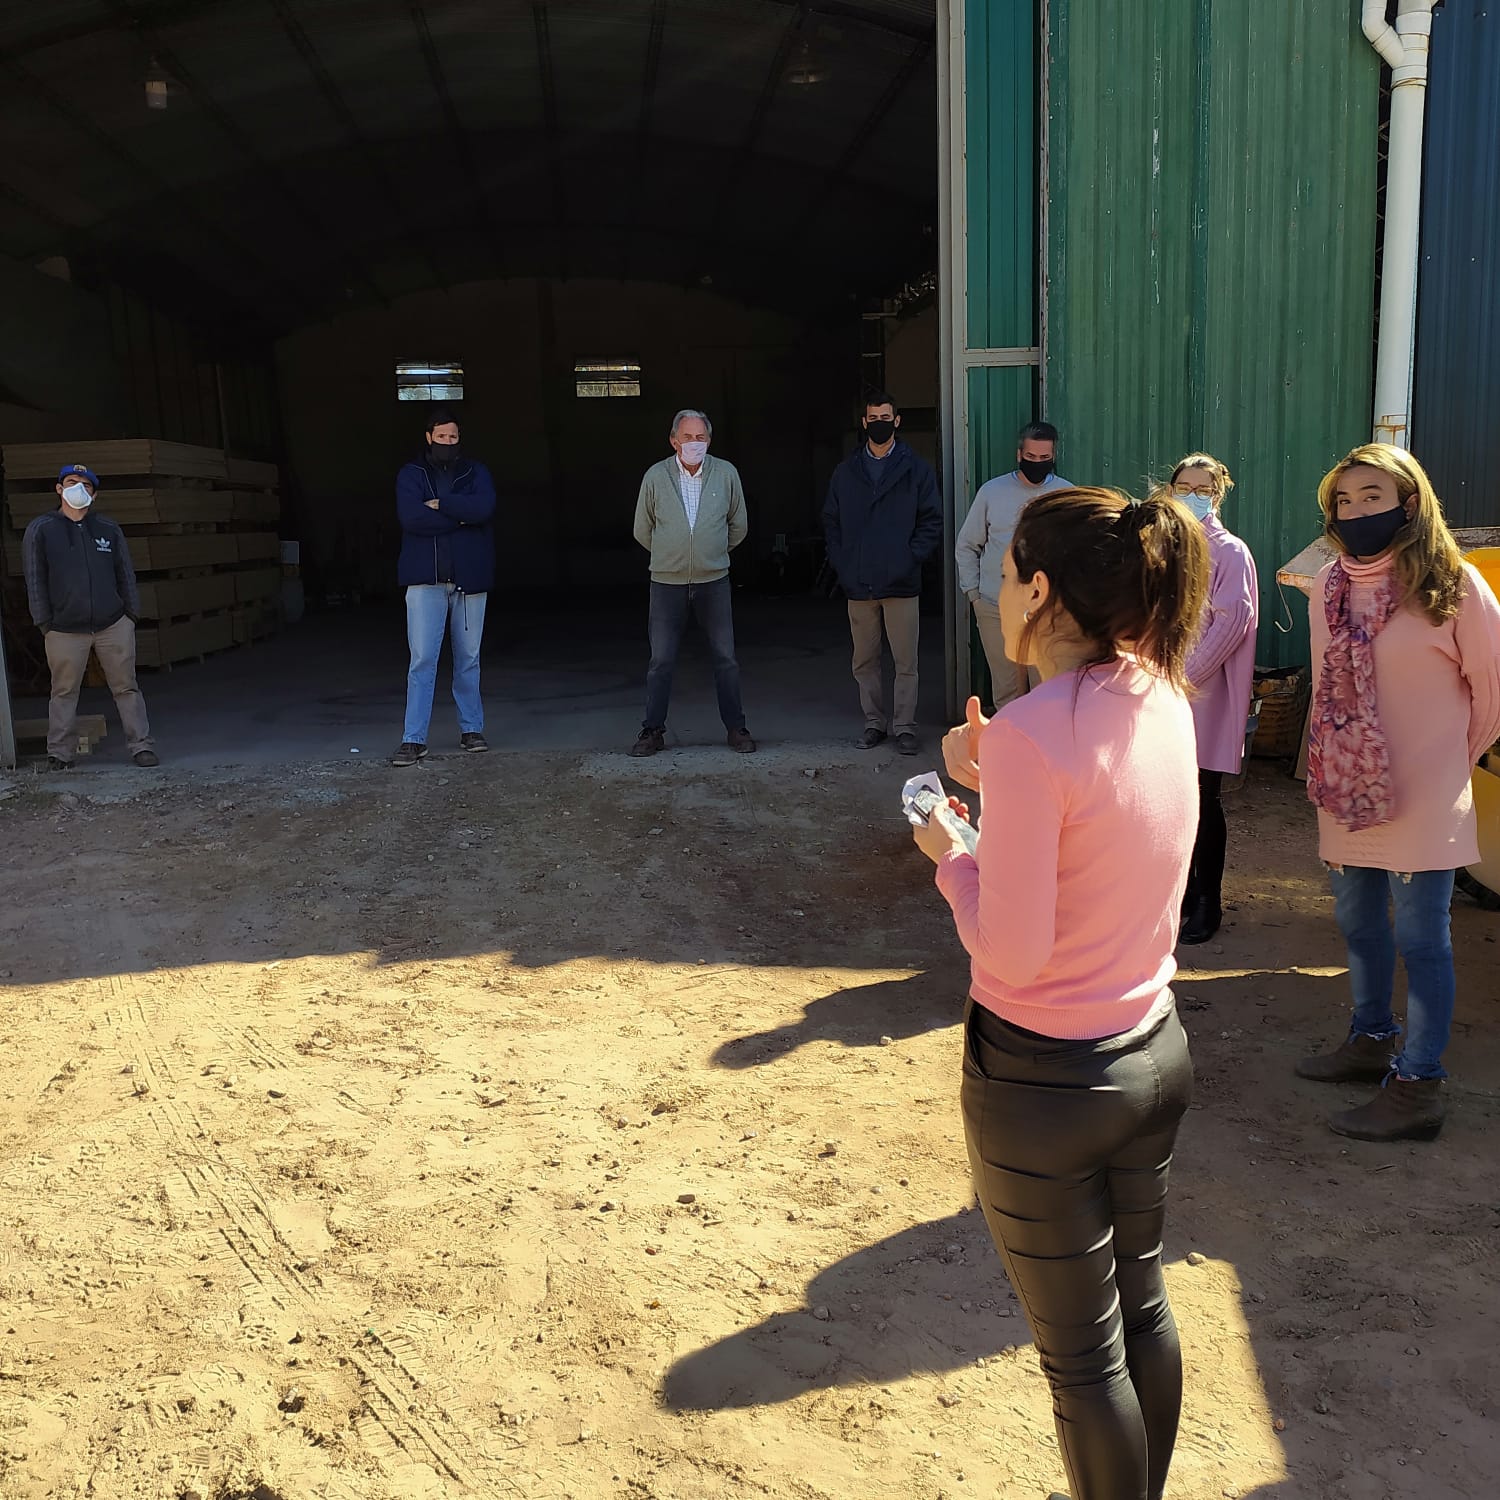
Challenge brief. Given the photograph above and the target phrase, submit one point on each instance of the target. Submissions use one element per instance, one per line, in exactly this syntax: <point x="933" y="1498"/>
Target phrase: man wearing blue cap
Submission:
<point x="83" y="598"/>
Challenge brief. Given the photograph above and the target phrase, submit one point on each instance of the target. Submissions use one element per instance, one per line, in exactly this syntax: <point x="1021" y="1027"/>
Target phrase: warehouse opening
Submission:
<point x="272" y="230"/>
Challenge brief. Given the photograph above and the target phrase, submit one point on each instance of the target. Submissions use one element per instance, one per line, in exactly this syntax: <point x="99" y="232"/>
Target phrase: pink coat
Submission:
<point x="1221" y="666"/>
<point x="1437" y="689"/>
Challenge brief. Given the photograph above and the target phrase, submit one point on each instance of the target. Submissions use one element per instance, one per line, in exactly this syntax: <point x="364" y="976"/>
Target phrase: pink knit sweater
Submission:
<point x="1438" y="692"/>
<point x="1221" y="665"/>
<point x="1070" y="908"/>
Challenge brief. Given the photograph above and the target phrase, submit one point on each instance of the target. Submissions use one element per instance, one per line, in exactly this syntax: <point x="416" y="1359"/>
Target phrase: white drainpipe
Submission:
<point x="1404" y="47"/>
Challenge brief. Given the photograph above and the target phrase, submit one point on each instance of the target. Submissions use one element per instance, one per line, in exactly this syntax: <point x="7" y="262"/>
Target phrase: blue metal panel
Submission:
<point x="1456" y="415"/>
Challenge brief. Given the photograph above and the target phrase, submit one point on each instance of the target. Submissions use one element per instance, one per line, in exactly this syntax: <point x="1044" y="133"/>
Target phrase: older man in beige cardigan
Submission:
<point x="690" y="516"/>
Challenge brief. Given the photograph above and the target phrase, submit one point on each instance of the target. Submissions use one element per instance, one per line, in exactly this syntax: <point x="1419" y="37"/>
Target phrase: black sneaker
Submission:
<point x="409" y="754"/>
<point x="145" y="759"/>
<point x="474" y="743"/>
<point x="648" y="742"/>
<point x="57" y="763"/>
<point x="906" y="744"/>
<point x="872" y="737"/>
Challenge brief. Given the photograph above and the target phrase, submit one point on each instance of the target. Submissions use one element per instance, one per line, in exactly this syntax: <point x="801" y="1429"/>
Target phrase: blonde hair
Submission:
<point x="1427" y="562"/>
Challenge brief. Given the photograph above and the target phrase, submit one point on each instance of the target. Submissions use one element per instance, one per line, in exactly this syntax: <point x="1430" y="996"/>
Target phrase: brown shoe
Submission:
<point x="1406" y="1109"/>
<point x="739" y="739"/>
<point x="1359" y="1059"/>
<point x="649" y="742"/>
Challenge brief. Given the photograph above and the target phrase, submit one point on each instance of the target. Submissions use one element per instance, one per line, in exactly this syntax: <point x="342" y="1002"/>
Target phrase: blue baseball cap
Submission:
<point x="78" y="471"/>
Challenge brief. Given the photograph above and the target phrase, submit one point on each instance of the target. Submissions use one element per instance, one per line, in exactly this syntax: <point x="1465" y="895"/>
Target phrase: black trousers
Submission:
<point x="1070" y="1145"/>
<point x="1206" y="872"/>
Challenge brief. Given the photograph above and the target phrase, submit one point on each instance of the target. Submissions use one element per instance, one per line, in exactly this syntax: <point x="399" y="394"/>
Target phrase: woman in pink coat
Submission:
<point x="1220" y="670"/>
<point x="1406" y="698"/>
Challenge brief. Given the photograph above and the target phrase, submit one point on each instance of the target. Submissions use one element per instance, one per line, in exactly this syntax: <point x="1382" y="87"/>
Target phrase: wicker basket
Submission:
<point x="1283" y="697"/>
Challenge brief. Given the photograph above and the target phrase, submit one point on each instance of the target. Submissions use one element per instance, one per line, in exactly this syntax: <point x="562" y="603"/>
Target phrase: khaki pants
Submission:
<point x="68" y="657"/>
<point x="1007" y="680"/>
<point x="902" y="621"/>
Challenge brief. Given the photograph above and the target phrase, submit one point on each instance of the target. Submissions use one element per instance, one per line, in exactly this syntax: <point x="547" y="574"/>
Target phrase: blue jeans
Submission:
<point x="671" y="604"/>
<point x="1362" y="898"/>
<point x="432" y="608"/>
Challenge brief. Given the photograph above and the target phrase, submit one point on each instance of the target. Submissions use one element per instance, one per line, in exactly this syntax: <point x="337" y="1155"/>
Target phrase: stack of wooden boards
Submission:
<point x="203" y="535"/>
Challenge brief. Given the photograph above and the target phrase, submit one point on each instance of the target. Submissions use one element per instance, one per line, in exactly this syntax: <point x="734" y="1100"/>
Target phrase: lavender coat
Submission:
<point x="1221" y="666"/>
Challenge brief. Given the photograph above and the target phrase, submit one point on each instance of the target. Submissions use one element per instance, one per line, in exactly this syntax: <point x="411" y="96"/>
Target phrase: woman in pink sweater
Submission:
<point x="1076" y="1071"/>
<point x="1406" y="698"/>
<point x="1221" y="671"/>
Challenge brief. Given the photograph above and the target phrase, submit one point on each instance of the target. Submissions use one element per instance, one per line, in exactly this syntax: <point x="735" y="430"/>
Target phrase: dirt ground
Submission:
<point x="539" y="1127"/>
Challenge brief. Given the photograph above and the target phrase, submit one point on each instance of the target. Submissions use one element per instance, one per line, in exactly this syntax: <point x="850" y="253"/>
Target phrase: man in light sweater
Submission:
<point x="690" y="516"/>
<point x="984" y="539"/>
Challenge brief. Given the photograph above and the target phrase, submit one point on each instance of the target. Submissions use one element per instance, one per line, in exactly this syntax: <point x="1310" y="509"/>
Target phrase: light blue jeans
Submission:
<point x="432" y="608"/>
<point x="1362" y="901"/>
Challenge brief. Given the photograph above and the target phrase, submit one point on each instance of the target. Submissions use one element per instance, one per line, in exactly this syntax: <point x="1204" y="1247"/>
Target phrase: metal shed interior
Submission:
<point x="721" y="191"/>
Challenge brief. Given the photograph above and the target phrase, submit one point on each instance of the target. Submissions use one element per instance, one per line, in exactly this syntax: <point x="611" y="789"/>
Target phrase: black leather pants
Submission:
<point x="1206" y="872"/>
<point x="1070" y="1145"/>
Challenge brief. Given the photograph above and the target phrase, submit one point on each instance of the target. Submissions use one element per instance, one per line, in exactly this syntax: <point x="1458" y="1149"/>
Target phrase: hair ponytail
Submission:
<point x="1132" y="575"/>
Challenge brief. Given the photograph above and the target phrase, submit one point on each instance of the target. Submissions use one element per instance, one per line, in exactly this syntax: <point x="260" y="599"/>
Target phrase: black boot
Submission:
<point x="1202" y="920"/>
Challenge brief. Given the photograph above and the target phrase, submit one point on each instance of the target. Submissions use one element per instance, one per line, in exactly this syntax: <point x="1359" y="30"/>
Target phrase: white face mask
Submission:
<point x="693" y="454"/>
<point x="77" y="496"/>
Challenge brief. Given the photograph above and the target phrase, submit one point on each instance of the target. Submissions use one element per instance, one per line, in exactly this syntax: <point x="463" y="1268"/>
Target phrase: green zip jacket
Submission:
<point x="699" y="555"/>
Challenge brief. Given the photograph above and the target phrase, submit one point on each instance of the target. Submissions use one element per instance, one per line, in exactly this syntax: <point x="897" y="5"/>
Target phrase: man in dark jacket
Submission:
<point x="882" y="521"/>
<point x="83" y="597"/>
<point x="446" y="504"/>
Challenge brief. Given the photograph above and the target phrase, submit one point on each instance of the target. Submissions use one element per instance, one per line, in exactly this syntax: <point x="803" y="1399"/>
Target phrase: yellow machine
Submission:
<point x="1487" y="773"/>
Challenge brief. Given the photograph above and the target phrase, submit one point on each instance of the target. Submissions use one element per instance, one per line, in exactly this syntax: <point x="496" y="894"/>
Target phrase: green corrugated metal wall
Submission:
<point x="1000" y="44"/>
<point x="1001" y="154"/>
<point x="1211" y="192"/>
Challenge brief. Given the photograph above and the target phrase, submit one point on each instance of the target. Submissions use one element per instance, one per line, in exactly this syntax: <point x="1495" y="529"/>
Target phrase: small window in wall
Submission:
<point x="429" y="380"/>
<point x="607" y="377"/>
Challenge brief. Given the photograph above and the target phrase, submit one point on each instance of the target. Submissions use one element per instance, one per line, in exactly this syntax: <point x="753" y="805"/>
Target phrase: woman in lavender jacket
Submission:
<point x="1221" y="669"/>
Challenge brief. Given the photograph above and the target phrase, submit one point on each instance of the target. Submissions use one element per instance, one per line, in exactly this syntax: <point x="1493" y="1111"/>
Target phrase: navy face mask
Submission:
<point x="1369" y="536"/>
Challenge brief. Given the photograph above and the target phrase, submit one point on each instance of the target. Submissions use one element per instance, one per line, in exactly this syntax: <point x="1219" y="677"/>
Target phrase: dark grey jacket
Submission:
<point x="78" y="574"/>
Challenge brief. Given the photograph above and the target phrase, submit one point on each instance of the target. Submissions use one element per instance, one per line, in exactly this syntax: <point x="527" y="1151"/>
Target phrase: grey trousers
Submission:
<point x="68" y="657"/>
<point x="901" y="619"/>
<point x="1006" y="678"/>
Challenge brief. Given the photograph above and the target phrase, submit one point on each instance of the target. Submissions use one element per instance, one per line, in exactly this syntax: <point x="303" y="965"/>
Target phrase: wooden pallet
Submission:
<point x="166" y="554"/>
<point x="147" y="506"/>
<point x="173" y="598"/>
<point x="253" y="622"/>
<point x="251" y="585"/>
<point x="170" y="641"/>
<point x="259" y="546"/>
<point x="91" y="729"/>
<point x="251" y="474"/>
<point x="117" y="456"/>
<point x="254" y="508"/>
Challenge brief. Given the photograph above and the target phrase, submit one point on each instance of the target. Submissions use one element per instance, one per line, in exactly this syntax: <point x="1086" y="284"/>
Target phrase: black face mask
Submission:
<point x="880" y="430"/>
<point x="443" y="454"/>
<point x="1369" y="536"/>
<point x="1034" y="471"/>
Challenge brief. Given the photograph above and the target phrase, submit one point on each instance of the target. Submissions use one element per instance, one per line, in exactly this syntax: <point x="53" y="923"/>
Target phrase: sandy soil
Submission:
<point x="528" y="1127"/>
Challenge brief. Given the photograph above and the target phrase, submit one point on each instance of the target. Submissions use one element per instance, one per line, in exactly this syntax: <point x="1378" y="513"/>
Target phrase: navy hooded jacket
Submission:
<point x="456" y="542"/>
<point x="881" y="527"/>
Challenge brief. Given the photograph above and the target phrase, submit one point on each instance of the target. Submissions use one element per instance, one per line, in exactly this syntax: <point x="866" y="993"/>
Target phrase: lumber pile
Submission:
<point x="202" y="527"/>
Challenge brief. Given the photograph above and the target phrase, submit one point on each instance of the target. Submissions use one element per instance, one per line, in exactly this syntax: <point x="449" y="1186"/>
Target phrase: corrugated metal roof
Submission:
<point x="1456" y="416"/>
<point x="358" y="148"/>
<point x="1211" y="256"/>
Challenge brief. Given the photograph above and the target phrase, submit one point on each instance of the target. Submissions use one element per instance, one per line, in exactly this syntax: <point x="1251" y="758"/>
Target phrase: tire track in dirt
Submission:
<point x="407" y="1417"/>
<point x="400" y="1393"/>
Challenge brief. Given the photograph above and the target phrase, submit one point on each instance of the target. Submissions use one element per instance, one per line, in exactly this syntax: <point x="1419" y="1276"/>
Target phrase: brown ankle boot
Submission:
<point x="1359" y="1059"/>
<point x="1406" y="1109"/>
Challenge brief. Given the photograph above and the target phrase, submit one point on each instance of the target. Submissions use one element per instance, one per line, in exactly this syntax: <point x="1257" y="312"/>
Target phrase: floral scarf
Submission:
<point x="1348" y="761"/>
